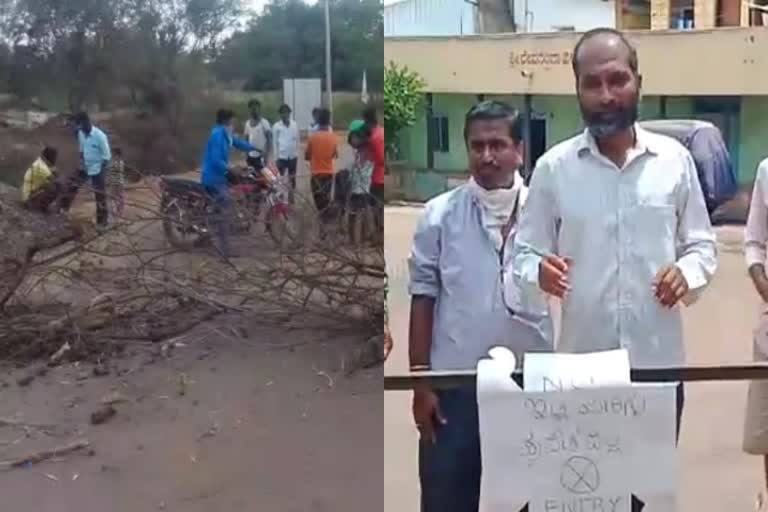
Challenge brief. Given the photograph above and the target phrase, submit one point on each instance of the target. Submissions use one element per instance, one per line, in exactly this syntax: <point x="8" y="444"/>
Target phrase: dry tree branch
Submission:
<point x="62" y="284"/>
<point x="36" y="457"/>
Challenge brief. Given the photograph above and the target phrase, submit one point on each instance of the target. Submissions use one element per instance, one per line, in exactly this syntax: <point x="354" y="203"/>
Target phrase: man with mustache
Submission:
<point x="460" y="307"/>
<point x="616" y="224"/>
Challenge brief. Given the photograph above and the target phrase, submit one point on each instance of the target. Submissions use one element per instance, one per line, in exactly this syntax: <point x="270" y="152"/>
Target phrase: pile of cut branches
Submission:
<point x="68" y="286"/>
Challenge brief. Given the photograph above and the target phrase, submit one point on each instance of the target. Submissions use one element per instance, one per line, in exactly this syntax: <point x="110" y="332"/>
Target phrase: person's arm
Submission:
<point x="106" y="152"/>
<point x="81" y="149"/>
<point x="219" y="147"/>
<point x="28" y="182"/>
<point x="275" y="142"/>
<point x="49" y="173"/>
<point x="696" y="242"/>
<point x="308" y="152"/>
<point x="242" y="145"/>
<point x="424" y="287"/>
<point x="756" y="233"/>
<point x="535" y="248"/>
<point x="297" y="136"/>
<point x="268" y="140"/>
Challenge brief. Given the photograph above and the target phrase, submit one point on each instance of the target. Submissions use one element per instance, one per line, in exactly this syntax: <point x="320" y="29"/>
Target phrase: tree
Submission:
<point x="94" y="48"/>
<point x="288" y="38"/>
<point x="402" y="97"/>
<point x="210" y="20"/>
<point x="6" y="57"/>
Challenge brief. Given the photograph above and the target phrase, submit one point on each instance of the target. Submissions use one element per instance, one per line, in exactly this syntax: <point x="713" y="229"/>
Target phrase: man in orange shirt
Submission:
<point x="322" y="149"/>
<point x="376" y="150"/>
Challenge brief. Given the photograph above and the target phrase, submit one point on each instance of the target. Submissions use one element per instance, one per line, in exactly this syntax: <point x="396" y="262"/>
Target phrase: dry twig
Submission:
<point x="37" y="457"/>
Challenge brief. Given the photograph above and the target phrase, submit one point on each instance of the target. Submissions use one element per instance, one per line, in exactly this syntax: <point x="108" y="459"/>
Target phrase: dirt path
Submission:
<point x="264" y="424"/>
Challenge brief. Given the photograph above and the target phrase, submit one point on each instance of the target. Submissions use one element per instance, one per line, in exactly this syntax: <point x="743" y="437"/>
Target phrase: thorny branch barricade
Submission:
<point x="454" y="379"/>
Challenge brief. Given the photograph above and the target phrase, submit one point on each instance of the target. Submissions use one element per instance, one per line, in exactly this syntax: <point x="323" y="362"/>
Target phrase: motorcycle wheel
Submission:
<point x="180" y="230"/>
<point x="283" y="227"/>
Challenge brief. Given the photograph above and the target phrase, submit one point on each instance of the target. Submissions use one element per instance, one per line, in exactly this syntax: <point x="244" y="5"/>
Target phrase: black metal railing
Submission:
<point x="453" y="379"/>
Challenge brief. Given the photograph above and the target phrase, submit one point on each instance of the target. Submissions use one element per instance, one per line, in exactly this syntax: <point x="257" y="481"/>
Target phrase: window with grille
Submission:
<point x="439" y="134"/>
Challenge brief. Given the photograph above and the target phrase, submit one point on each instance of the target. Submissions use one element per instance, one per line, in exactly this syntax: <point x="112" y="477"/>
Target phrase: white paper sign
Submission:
<point x="561" y="372"/>
<point x="584" y="450"/>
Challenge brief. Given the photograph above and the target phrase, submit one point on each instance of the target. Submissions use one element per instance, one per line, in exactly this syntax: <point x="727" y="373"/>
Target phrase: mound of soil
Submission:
<point x="148" y="148"/>
<point x="20" y="147"/>
<point x="24" y="232"/>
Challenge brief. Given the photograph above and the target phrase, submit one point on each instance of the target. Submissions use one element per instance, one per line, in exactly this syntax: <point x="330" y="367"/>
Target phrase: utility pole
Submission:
<point x="328" y="80"/>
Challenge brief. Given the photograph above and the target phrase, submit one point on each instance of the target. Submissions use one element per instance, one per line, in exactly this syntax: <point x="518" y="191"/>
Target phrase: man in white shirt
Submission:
<point x="755" y="241"/>
<point x="616" y="224"/>
<point x="286" y="136"/>
<point x="257" y="130"/>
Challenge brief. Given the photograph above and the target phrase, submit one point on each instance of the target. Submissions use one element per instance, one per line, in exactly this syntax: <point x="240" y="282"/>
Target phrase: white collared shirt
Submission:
<point x="620" y="227"/>
<point x="286" y="140"/>
<point x="454" y="261"/>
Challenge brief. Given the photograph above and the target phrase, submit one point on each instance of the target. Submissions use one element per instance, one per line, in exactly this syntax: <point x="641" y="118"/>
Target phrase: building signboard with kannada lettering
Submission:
<point x="517" y="59"/>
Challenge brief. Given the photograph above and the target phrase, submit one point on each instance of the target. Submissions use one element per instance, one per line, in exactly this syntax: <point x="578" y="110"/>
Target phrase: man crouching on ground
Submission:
<point x="460" y="307"/>
<point x="40" y="188"/>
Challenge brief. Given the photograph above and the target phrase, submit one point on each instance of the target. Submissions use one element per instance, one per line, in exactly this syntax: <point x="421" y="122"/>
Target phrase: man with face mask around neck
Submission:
<point x="616" y="224"/>
<point x="460" y="306"/>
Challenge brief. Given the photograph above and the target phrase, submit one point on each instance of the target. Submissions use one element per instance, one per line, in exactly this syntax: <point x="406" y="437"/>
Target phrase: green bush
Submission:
<point x="402" y="99"/>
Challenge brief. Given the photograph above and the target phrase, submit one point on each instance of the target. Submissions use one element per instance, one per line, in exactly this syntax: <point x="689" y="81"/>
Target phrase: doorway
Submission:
<point x="538" y="144"/>
<point x="538" y="139"/>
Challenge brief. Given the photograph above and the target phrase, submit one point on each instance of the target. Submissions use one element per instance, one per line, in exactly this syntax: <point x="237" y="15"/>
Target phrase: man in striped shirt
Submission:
<point x="116" y="182"/>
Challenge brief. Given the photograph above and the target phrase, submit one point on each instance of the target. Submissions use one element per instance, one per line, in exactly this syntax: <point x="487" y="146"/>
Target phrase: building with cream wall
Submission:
<point x="716" y="73"/>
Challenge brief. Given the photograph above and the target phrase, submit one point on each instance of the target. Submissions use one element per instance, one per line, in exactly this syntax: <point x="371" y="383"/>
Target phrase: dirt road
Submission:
<point x="262" y="422"/>
<point x="715" y="475"/>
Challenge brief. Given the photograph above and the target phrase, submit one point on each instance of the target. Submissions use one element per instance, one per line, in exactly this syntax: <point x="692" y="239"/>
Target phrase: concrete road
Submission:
<point x="715" y="477"/>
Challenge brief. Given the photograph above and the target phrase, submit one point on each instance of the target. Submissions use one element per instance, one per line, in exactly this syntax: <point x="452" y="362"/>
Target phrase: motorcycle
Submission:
<point x="189" y="209"/>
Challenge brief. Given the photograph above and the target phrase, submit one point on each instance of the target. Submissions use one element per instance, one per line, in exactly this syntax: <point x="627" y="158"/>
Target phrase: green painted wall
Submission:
<point x="455" y="107"/>
<point x="413" y="142"/>
<point x="753" y="128"/>
<point x="679" y="107"/>
<point x="562" y="113"/>
<point x="748" y="145"/>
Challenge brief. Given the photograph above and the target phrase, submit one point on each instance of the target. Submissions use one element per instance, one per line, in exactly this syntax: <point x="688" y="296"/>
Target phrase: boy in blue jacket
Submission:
<point x="215" y="169"/>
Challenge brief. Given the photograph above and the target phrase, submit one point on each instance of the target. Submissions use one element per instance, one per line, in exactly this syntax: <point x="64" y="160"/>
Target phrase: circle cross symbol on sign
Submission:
<point x="580" y="475"/>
